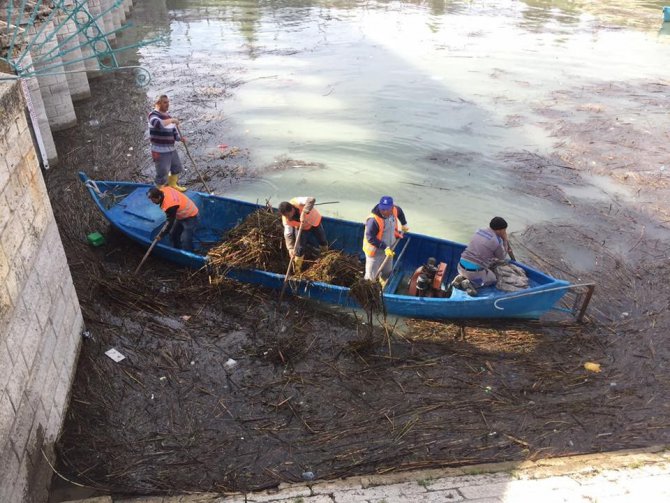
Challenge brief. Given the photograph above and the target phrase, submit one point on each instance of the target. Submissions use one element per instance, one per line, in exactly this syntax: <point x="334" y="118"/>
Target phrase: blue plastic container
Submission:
<point x="666" y="14"/>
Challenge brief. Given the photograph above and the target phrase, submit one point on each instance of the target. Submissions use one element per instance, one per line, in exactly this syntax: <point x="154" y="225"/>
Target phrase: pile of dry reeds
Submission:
<point x="258" y="243"/>
<point x="335" y="268"/>
<point x="255" y="243"/>
<point x="368" y="294"/>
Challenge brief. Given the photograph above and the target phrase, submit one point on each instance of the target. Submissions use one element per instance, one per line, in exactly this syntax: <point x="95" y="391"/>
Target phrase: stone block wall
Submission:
<point x="40" y="318"/>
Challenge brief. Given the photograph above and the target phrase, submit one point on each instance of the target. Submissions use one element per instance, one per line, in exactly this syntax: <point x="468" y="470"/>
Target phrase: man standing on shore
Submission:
<point x="163" y="133"/>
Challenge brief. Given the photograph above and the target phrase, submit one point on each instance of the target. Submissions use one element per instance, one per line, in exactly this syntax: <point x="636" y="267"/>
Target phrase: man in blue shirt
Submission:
<point x="485" y="248"/>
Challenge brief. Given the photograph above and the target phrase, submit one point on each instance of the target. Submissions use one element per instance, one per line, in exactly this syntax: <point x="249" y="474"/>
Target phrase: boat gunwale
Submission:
<point x="552" y="283"/>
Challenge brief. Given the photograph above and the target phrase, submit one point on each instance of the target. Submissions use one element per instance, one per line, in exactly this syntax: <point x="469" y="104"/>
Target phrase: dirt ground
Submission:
<point x="225" y="389"/>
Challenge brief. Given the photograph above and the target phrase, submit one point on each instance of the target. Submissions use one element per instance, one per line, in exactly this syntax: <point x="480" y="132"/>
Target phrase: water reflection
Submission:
<point x="416" y="99"/>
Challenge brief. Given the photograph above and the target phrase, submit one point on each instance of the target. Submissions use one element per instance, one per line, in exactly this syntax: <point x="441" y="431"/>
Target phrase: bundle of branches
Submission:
<point x="336" y="268"/>
<point x="256" y="243"/>
<point x="368" y="294"/>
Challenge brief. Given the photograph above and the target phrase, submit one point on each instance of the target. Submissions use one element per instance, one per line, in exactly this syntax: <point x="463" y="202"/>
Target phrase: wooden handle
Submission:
<point x="290" y="262"/>
<point x="153" y="243"/>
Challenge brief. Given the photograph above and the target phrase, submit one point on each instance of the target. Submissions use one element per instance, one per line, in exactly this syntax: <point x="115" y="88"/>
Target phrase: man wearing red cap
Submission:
<point x="485" y="248"/>
<point x="384" y="226"/>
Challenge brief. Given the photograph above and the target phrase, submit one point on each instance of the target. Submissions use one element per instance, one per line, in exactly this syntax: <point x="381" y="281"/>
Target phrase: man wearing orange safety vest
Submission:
<point x="181" y="214"/>
<point x="297" y="212"/>
<point x="384" y="226"/>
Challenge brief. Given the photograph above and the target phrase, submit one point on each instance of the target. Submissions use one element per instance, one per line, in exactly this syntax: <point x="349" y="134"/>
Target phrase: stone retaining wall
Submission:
<point x="40" y="319"/>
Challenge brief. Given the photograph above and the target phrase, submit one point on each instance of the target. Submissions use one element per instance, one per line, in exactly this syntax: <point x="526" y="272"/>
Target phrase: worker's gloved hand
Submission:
<point x="389" y="252"/>
<point x="405" y="228"/>
<point x="323" y="249"/>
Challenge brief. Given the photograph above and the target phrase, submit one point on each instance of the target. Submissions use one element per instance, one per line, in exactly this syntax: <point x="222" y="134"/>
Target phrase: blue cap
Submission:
<point x="386" y="203"/>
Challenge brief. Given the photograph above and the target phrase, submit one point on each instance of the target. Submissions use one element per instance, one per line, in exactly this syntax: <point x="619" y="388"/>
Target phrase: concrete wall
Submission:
<point x="54" y="87"/>
<point x="68" y="40"/>
<point x="40" y="319"/>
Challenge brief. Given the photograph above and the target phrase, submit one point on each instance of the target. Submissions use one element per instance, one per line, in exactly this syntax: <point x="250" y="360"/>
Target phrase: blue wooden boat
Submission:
<point x="127" y="208"/>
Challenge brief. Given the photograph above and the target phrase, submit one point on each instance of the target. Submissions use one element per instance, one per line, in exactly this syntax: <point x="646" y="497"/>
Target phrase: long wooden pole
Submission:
<point x="409" y="238"/>
<point x="153" y="243"/>
<point x="194" y="165"/>
<point x="386" y="259"/>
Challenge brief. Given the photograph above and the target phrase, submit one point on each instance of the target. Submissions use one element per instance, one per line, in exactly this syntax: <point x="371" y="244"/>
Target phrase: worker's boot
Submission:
<point x="469" y="288"/>
<point x="458" y="280"/>
<point x="172" y="182"/>
<point x="297" y="265"/>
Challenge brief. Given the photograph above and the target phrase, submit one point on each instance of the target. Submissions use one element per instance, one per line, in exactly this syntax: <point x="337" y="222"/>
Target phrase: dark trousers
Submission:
<point x="317" y="232"/>
<point x="182" y="233"/>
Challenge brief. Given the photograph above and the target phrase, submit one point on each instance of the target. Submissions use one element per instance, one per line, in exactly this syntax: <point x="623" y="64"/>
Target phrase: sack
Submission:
<point x="510" y="277"/>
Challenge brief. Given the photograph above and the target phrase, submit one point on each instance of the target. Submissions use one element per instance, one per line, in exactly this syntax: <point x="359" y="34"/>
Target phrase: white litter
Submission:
<point x="115" y="355"/>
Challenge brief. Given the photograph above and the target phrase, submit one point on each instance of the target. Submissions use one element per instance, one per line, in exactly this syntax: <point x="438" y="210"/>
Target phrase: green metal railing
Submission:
<point x="33" y="27"/>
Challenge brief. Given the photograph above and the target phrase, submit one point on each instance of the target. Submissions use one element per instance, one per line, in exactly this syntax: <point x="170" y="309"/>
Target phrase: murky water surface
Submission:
<point x="416" y="100"/>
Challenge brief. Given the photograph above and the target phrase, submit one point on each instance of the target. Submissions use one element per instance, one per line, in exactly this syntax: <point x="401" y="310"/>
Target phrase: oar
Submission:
<point x="290" y="262"/>
<point x="153" y="243"/>
<point x="194" y="165"/>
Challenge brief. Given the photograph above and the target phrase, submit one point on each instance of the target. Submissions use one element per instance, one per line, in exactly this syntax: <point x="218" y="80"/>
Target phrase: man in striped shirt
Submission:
<point x="163" y="133"/>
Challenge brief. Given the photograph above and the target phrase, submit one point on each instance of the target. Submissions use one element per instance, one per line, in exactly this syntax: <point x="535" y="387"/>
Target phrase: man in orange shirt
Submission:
<point x="181" y="214"/>
<point x="295" y="213"/>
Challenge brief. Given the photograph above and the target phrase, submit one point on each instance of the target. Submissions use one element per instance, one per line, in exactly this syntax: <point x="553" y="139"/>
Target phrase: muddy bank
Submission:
<point x="306" y="393"/>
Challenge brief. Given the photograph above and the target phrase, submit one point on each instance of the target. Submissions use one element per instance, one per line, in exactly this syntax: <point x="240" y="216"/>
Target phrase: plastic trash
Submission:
<point x="96" y="239"/>
<point x="666" y="14"/>
<point x="307" y="475"/>
<point x="114" y="355"/>
<point x="592" y="366"/>
<point x="230" y="363"/>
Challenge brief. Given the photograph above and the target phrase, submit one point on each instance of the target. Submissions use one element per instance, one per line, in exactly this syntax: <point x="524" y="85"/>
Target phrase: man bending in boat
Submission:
<point x="300" y="217"/>
<point x="181" y="214"/>
<point x="384" y="226"/>
<point x="486" y="247"/>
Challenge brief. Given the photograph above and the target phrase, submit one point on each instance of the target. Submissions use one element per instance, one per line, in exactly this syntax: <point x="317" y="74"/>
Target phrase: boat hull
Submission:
<point x="127" y="208"/>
